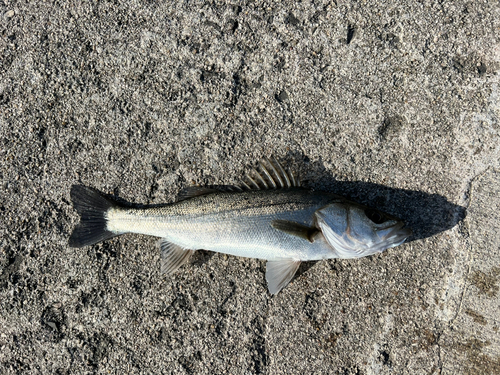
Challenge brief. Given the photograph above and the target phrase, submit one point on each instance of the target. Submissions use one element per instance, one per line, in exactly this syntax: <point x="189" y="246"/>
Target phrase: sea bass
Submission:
<point x="270" y="217"/>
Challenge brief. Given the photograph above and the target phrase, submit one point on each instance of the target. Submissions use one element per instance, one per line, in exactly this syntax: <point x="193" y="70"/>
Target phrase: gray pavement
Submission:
<point x="394" y="104"/>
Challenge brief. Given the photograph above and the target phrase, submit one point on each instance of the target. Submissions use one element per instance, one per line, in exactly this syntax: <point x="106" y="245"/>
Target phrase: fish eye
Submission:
<point x="375" y="216"/>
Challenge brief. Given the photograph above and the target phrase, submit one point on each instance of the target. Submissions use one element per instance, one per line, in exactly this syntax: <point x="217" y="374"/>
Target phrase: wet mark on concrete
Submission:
<point x="292" y="20"/>
<point x="333" y="338"/>
<point x="426" y="338"/>
<point x="100" y="345"/>
<point x="260" y="358"/>
<point x="391" y="127"/>
<point x="191" y="364"/>
<point x="477" y="362"/>
<point x="486" y="282"/>
<point x="478" y="318"/>
<point x="314" y="310"/>
<point x="10" y="269"/>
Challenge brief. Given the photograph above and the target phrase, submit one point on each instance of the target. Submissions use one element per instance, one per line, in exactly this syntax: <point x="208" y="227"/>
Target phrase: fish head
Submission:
<point x="356" y="231"/>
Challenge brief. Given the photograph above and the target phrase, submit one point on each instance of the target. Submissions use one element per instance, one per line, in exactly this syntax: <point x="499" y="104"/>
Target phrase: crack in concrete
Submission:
<point x="464" y="231"/>
<point x="466" y="201"/>
<point x="467" y="198"/>
<point x="440" y="359"/>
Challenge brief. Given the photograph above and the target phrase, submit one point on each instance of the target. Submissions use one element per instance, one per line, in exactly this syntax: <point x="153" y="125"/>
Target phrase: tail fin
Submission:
<point x="92" y="207"/>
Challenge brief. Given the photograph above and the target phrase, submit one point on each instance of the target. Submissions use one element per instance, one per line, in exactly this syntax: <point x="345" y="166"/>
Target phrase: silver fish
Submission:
<point x="269" y="217"/>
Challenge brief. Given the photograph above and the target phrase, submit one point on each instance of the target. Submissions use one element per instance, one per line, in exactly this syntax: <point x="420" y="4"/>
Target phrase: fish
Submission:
<point x="269" y="216"/>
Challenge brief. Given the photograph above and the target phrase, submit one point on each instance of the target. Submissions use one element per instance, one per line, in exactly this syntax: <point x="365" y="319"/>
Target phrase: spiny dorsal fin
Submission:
<point x="295" y="229"/>
<point x="271" y="176"/>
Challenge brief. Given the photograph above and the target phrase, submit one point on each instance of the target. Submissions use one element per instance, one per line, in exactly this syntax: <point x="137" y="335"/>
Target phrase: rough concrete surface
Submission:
<point x="395" y="104"/>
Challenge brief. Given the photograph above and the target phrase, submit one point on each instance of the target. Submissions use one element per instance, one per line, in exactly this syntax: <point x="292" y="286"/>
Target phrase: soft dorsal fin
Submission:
<point x="295" y="229"/>
<point x="195" y="191"/>
<point x="172" y="256"/>
<point x="271" y="175"/>
<point x="279" y="273"/>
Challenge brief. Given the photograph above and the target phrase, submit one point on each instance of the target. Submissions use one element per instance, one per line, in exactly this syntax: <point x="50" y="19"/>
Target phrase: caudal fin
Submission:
<point x="92" y="207"/>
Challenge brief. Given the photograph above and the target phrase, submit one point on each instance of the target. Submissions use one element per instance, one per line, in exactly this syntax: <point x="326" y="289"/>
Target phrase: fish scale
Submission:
<point x="232" y="223"/>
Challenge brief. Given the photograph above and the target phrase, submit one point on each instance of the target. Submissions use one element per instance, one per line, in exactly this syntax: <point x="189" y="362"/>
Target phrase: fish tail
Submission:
<point x="92" y="207"/>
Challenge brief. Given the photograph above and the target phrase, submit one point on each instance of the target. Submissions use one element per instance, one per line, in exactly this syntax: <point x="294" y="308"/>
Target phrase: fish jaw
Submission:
<point x="398" y="235"/>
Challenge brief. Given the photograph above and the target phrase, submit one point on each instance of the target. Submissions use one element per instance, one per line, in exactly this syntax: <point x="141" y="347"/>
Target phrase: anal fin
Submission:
<point x="172" y="256"/>
<point x="279" y="273"/>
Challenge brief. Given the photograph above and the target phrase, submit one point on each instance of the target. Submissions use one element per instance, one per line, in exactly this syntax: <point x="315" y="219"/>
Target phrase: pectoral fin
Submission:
<point x="172" y="256"/>
<point x="279" y="273"/>
<point x="295" y="229"/>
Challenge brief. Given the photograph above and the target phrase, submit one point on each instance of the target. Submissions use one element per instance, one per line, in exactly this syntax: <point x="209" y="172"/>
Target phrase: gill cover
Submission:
<point x="355" y="231"/>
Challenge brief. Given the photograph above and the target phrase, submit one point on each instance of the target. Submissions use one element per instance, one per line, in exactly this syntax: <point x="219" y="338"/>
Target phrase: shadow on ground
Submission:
<point x="426" y="214"/>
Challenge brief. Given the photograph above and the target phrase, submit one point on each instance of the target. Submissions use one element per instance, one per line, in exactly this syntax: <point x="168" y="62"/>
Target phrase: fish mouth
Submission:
<point x="397" y="235"/>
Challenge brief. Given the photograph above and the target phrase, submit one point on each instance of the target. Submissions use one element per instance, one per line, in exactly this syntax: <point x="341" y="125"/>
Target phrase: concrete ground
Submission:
<point x="396" y="105"/>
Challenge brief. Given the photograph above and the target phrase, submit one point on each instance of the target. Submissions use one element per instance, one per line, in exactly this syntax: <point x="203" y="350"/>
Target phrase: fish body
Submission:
<point x="285" y="225"/>
<point x="233" y="223"/>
